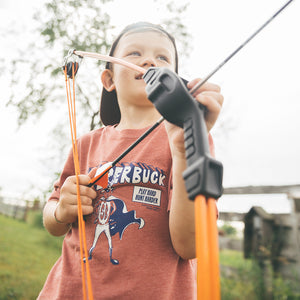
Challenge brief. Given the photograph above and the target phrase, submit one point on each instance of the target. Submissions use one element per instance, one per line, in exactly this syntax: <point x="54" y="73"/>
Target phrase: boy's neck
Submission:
<point x="138" y="119"/>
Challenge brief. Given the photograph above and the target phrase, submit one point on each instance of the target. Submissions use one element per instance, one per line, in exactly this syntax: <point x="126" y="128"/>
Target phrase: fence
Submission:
<point x="17" y="209"/>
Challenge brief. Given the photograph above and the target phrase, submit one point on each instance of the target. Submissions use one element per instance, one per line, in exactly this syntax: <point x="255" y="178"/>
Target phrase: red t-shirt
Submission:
<point x="131" y="254"/>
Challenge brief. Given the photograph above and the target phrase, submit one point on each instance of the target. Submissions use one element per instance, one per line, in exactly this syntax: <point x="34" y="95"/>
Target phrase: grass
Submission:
<point x="27" y="254"/>
<point x="240" y="278"/>
<point x="243" y="279"/>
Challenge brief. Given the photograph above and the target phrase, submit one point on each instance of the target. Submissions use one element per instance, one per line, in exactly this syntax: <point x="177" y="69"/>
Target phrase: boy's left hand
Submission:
<point x="208" y="95"/>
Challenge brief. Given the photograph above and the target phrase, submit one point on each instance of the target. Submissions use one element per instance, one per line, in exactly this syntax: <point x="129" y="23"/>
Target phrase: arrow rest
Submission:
<point x="172" y="99"/>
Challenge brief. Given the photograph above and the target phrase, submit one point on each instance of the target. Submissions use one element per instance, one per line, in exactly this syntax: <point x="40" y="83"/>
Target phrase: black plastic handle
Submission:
<point x="172" y="99"/>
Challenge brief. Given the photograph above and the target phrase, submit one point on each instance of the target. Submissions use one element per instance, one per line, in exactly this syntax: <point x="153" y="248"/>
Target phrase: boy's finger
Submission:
<point x="211" y="99"/>
<point x="207" y="86"/>
<point x="92" y="173"/>
<point x="84" y="179"/>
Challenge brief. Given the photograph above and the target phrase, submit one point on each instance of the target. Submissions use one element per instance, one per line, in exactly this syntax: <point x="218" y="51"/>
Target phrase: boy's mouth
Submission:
<point x="139" y="76"/>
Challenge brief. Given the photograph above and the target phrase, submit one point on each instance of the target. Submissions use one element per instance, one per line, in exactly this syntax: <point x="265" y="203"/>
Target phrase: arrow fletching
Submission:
<point x="101" y="176"/>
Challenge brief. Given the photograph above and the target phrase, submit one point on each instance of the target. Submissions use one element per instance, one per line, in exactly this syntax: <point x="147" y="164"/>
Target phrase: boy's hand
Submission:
<point x="66" y="210"/>
<point x="209" y="95"/>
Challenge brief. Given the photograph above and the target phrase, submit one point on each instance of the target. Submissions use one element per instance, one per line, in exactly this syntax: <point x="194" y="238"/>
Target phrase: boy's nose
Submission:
<point x="148" y="62"/>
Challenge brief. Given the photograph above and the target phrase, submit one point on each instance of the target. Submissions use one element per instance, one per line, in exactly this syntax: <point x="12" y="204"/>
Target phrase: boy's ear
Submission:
<point x="107" y="80"/>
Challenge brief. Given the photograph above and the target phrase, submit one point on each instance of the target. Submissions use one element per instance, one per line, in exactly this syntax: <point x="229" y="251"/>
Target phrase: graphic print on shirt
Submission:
<point x="112" y="218"/>
<point x="135" y="173"/>
<point x="111" y="214"/>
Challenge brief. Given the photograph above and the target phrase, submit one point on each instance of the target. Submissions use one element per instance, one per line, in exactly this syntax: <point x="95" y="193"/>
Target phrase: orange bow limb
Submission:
<point x="207" y="249"/>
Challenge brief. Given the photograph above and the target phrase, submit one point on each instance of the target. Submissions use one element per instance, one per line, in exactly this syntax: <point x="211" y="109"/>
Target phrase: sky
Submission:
<point x="260" y="144"/>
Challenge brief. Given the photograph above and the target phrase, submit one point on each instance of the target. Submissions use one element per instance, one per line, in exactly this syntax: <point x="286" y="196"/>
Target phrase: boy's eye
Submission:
<point x="163" y="57"/>
<point x="134" y="53"/>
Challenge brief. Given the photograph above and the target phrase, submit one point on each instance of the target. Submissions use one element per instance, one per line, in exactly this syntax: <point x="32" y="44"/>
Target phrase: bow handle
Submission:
<point x="168" y="92"/>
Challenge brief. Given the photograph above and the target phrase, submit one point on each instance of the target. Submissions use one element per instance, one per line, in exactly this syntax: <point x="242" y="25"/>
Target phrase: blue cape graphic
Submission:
<point x="121" y="218"/>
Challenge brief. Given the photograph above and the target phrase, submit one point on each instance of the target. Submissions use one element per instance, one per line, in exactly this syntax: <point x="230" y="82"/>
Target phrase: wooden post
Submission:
<point x="266" y="268"/>
<point x="295" y="220"/>
<point x="26" y="211"/>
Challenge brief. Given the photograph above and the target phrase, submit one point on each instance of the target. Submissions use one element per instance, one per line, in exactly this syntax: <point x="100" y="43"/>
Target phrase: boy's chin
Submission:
<point x="141" y="94"/>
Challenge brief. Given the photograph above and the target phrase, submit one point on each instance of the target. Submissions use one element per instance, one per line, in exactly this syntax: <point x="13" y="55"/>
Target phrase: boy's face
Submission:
<point x="145" y="49"/>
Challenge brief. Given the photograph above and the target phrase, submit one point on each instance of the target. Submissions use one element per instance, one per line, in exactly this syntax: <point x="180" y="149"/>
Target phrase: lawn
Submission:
<point x="27" y="253"/>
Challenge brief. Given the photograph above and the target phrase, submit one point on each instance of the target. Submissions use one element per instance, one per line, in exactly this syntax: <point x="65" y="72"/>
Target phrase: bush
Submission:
<point x="228" y="229"/>
<point x="244" y="279"/>
<point x="35" y="218"/>
<point x="284" y="289"/>
<point x="240" y="278"/>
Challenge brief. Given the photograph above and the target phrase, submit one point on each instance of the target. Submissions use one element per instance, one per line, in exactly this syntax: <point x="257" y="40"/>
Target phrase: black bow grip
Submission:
<point x="167" y="91"/>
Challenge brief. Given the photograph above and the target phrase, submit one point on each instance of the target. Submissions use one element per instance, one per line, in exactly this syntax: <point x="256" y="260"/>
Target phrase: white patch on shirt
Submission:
<point x="146" y="196"/>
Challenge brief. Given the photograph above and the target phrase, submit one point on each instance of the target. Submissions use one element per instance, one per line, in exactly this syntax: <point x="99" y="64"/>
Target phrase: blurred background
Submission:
<point x="256" y="136"/>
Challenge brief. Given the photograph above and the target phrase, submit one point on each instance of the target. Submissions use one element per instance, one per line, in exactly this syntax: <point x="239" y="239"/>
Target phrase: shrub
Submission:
<point x="35" y="218"/>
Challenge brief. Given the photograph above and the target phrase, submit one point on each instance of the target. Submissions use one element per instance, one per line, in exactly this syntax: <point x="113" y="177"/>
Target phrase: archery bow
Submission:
<point x="142" y="71"/>
<point x="206" y="231"/>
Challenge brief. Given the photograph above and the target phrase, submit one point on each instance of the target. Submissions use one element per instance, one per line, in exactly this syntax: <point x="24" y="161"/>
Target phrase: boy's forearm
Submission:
<point x="182" y="224"/>
<point x="51" y="224"/>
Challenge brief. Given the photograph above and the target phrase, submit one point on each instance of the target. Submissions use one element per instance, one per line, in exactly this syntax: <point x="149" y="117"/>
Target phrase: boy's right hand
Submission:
<point x="67" y="210"/>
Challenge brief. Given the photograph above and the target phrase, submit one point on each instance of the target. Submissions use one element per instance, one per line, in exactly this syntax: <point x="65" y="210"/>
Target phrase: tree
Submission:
<point x="62" y="25"/>
<point x="35" y="76"/>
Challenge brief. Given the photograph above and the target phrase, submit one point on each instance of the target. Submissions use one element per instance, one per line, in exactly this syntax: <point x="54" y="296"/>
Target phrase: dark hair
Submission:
<point x="141" y="27"/>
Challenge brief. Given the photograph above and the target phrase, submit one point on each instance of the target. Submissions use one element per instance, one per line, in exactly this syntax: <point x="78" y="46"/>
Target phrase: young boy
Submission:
<point x="140" y="229"/>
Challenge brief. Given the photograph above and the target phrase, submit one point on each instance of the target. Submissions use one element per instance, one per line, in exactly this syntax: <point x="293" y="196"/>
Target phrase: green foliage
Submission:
<point x="35" y="218"/>
<point x="26" y="256"/>
<point x="176" y="26"/>
<point x="240" y="278"/>
<point x="35" y="76"/>
<point x="283" y="288"/>
<point x="228" y="229"/>
<point x="243" y="279"/>
<point x="1" y="197"/>
<point x="60" y="26"/>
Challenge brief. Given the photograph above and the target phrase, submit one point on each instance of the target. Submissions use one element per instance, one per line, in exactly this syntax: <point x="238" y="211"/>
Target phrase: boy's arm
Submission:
<point x="51" y="224"/>
<point x="181" y="222"/>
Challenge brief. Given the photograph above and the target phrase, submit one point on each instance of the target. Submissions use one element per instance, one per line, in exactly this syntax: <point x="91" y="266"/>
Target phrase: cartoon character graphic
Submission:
<point x="112" y="217"/>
